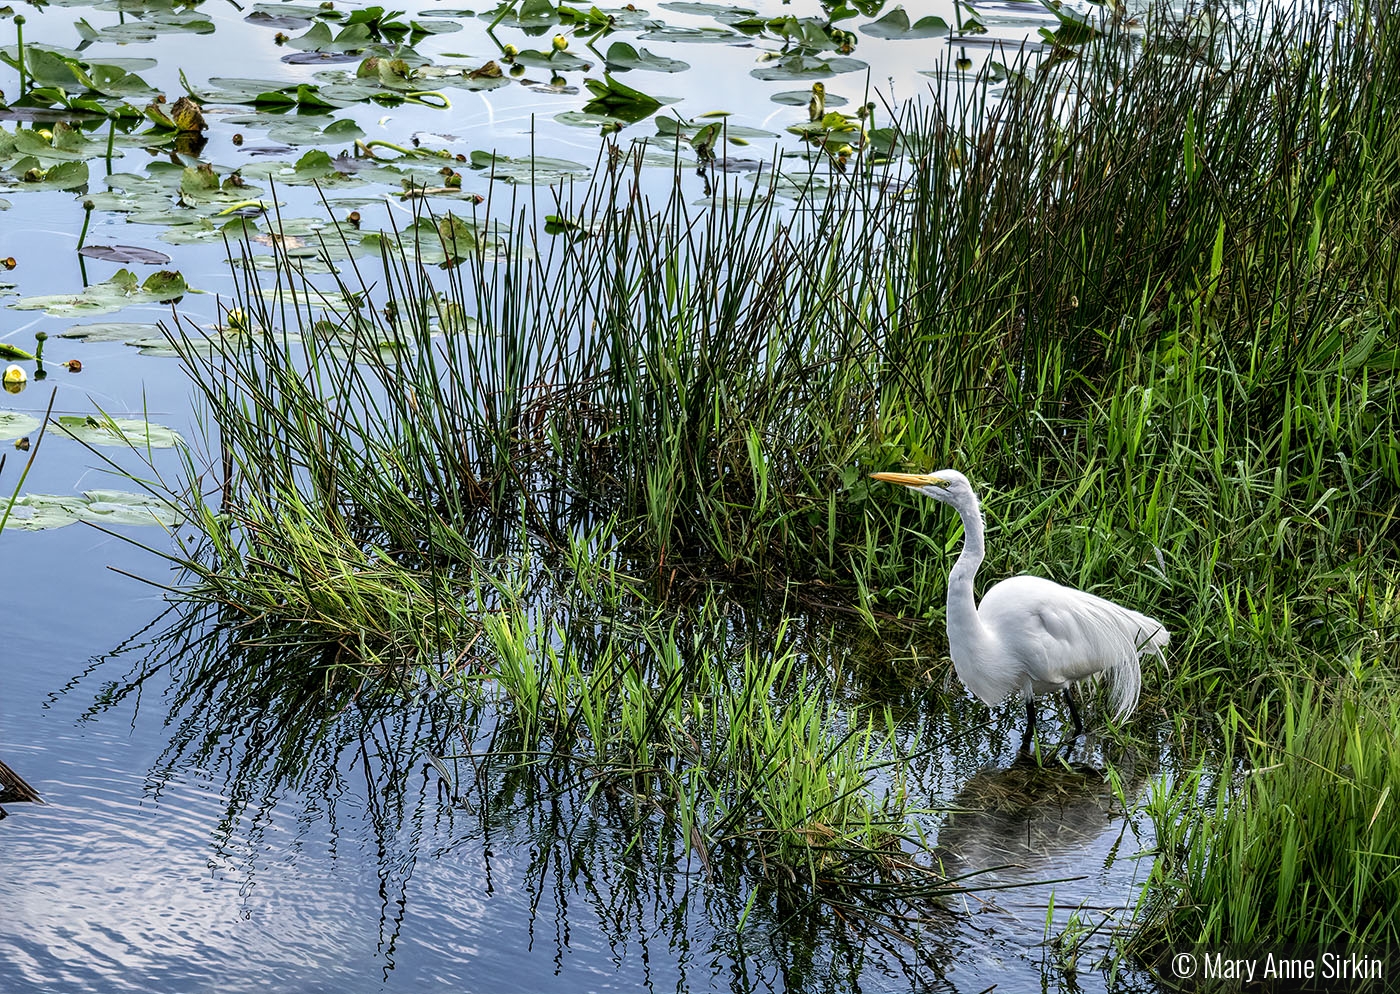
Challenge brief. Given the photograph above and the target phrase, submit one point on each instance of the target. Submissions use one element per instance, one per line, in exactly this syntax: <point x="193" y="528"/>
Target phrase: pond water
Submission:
<point x="190" y="840"/>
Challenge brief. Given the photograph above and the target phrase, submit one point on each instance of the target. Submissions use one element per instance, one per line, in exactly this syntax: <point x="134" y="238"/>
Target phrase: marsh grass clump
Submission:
<point x="1299" y="847"/>
<point x="1145" y="297"/>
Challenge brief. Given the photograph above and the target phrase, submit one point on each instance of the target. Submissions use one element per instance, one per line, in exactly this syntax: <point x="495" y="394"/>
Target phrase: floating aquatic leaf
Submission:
<point x="111" y="80"/>
<point x="483" y="77"/>
<point x="1075" y="29"/>
<point x="539" y="170"/>
<point x="799" y="66"/>
<point x="39" y="512"/>
<point x="723" y="13"/>
<point x="125" y="253"/>
<point x="620" y="100"/>
<point x="811" y="33"/>
<point x="896" y="24"/>
<point x="60" y="176"/>
<point x="622" y="56"/>
<point x="280" y="16"/>
<point x="801" y="98"/>
<point x="16" y="424"/>
<point x="528" y="13"/>
<point x="111" y="331"/>
<point x="315" y="130"/>
<point x="117" y="507"/>
<point x="671" y="32"/>
<point x="595" y="18"/>
<point x="63" y="144"/>
<point x="151" y="24"/>
<point x="120" y="290"/>
<point x="46" y="68"/>
<point x="583" y="119"/>
<point x="103" y="430"/>
<point x="708" y="133"/>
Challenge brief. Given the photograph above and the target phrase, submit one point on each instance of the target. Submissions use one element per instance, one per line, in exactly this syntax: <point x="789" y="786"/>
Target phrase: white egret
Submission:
<point x="1029" y="635"/>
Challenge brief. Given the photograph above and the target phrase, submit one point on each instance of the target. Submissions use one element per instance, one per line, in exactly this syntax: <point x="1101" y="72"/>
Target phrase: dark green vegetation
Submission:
<point x="1297" y="846"/>
<point x="1146" y="299"/>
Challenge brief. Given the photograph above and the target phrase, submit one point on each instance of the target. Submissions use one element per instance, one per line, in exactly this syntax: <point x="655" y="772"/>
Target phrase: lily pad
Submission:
<point x="896" y="25"/>
<point x="111" y="331"/>
<point x="721" y="12"/>
<point x="60" y="176"/>
<point x="125" y="253"/>
<point x="622" y="56"/>
<point x="39" y="512"/>
<point x="801" y="98"/>
<point x="799" y="66"/>
<point x="620" y="100"/>
<point x="538" y="169"/>
<point x="127" y="432"/>
<point x="122" y="289"/>
<point x="16" y="424"/>
<point x="672" y="32"/>
<point x="527" y="14"/>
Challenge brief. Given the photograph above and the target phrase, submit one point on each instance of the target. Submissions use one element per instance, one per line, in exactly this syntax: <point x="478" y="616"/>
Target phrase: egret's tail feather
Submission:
<point x="1125" y="678"/>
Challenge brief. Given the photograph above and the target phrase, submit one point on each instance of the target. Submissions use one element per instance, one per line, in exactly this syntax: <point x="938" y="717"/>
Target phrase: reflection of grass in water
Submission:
<point x="1149" y="301"/>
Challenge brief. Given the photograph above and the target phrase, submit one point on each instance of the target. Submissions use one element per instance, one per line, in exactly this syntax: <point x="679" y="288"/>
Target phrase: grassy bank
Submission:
<point x="1144" y="297"/>
<point x="1298" y="847"/>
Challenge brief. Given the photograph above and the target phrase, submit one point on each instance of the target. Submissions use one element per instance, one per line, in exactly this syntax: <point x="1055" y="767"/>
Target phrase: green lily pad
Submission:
<point x="111" y="331"/>
<point x="122" y="289"/>
<point x="555" y="62"/>
<point x="149" y="27"/>
<point x="529" y="13"/>
<point x="66" y="144"/>
<point x="672" y="32"/>
<point x="620" y="100"/>
<point x="315" y="131"/>
<point x="46" y="68"/>
<point x="40" y="512"/>
<point x="16" y="424"/>
<point x="801" y="98"/>
<point x="583" y="119"/>
<point x="719" y="11"/>
<point x="622" y="56"/>
<point x="594" y="18"/>
<point x="799" y="66"/>
<point x="896" y="24"/>
<point x="539" y="170"/>
<point x="125" y="253"/>
<point x="60" y="176"/>
<point x="127" y="432"/>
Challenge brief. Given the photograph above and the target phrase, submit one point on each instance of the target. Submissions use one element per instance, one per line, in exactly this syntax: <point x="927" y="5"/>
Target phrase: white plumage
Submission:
<point x="1030" y="636"/>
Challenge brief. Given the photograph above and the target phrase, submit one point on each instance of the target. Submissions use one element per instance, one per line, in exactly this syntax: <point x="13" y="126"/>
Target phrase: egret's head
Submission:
<point x="945" y="485"/>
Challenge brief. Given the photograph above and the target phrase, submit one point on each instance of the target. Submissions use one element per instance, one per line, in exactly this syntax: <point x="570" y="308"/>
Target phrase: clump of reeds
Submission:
<point x="1145" y="297"/>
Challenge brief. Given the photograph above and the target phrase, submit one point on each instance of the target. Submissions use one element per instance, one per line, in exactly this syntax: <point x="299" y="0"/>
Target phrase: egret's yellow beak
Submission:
<point x="910" y="479"/>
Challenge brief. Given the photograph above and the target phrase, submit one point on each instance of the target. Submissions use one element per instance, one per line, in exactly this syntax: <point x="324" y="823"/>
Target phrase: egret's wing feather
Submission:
<point x="1060" y="636"/>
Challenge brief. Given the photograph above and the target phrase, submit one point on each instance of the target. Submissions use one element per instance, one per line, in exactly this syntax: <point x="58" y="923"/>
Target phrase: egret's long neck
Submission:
<point x="965" y="632"/>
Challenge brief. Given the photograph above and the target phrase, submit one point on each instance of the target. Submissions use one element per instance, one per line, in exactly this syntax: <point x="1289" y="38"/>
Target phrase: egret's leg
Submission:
<point x="1074" y="714"/>
<point x="1030" y="725"/>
